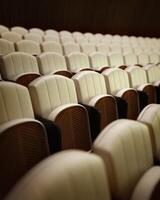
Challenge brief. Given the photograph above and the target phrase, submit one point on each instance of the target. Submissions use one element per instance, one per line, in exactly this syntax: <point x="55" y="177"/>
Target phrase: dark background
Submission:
<point x="130" y="17"/>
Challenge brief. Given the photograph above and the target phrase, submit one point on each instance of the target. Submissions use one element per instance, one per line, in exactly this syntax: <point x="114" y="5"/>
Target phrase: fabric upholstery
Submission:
<point x="153" y="73"/>
<point x="154" y="58"/>
<point x="6" y="47"/>
<point x="98" y="60"/>
<point x="130" y="59"/>
<point x="20" y="30"/>
<point x="143" y="59"/>
<point x="71" y="47"/>
<point x="3" y="29"/>
<point x="51" y="46"/>
<point x="37" y="31"/>
<point x="115" y="59"/>
<point x="87" y="48"/>
<point x="34" y="37"/>
<point x="11" y="36"/>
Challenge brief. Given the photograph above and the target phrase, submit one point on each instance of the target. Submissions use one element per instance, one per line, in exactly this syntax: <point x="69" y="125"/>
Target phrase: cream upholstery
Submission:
<point x="70" y="48"/>
<point x="20" y="30"/>
<point x="6" y="47"/>
<point x="11" y="36"/>
<point x="87" y="48"/>
<point x="116" y="80"/>
<point x="52" y="32"/>
<point x="37" y="31"/>
<point x="77" y="61"/>
<point x="154" y="58"/>
<point x="51" y="46"/>
<point x="66" y="175"/>
<point x="81" y="40"/>
<point x="130" y="59"/>
<point x="143" y="59"/>
<point x="17" y="63"/>
<point x="77" y="34"/>
<point x="3" y="29"/>
<point x="53" y="38"/>
<point x="28" y="46"/>
<point x="125" y="147"/>
<point x="50" y="62"/>
<point x="34" y="37"/>
<point x="115" y="48"/>
<point x="151" y="116"/>
<point x="67" y="39"/>
<point x="65" y="33"/>
<point x="103" y="48"/>
<point x="49" y="92"/>
<point x="153" y="74"/>
<point x="89" y="84"/>
<point x="98" y="60"/>
<point x="137" y="76"/>
<point x="115" y="59"/>
<point x="14" y="102"/>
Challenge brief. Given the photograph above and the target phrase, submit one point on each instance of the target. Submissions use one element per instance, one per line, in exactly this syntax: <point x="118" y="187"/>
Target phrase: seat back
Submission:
<point x="49" y="92"/>
<point x="60" y="174"/>
<point x="15" y="102"/>
<point x="6" y="47"/>
<point x="98" y="60"/>
<point x="18" y="63"/>
<point x="50" y="62"/>
<point x="143" y="59"/>
<point x="137" y="76"/>
<point x="50" y="37"/>
<point x="87" y="48"/>
<point x="37" y="31"/>
<point x="77" y="61"/>
<point x="150" y="115"/>
<point x="70" y="48"/>
<point x="130" y="59"/>
<point x="34" y="37"/>
<point x="11" y="36"/>
<point x="20" y="30"/>
<point x="154" y="58"/>
<point x="103" y="48"/>
<point x="115" y="59"/>
<point x="125" y="147"/>
<point x="88" y="85"/>
<point x="51" y="46"/>
<point x="3" y="29"/>
<point x="116" y="79"/>
<point x="153" y="73"/>
<point x="28" y="46"/>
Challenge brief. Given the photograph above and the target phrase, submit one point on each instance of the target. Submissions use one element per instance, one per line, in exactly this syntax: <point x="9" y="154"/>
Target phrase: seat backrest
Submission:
<point x="130" y="59"/>
<point x="28" y="46"/>
<point x="62" y="176"/>
<point x="37" y="31"/>
<point x="17" y="63"/>
<point x="115" y="59"/>
<point x="11" y="36"/>
<point x="3" y="29"/>
<point x="103" y="48"/>
<point x="116" y="79"/>
<point x="88" y="85"/>
<point x="77" y="61"/>
<point x="153" y="73"/>
<point x="52" y="46"/>
<point x="65" y="39"/>
<point x="34" y="37"/>
<point x="137" y="76"/>
<point x="53" y="38"/>
<point x="154" y="58"/>
<point x="115" y="48"/>
<point x="19" y="29"/>
<point x="49" y="92"/>
<point x="87" y="48"/>
<point x="70" y="48"/>
<point x="52" y="32"/>
<point x="65" y="33"/>
<point x="50" y="62"/>
<point x="125" y="147"/>
<point x="6" y="46"/>
<point x="97" y="60"/>
<point x="14" y="102"/>
<point x="151" y="116"/>
<point x="143" y="58"/>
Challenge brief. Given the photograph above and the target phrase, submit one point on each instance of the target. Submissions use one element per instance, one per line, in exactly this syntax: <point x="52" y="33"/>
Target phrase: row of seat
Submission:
<point x="125" y="167"/>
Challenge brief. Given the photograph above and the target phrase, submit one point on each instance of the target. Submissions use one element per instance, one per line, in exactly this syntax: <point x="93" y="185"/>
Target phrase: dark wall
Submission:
<point x="131" y="17"/>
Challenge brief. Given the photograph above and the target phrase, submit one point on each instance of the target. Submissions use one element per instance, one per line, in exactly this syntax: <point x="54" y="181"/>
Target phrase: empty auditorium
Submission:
<point x="79" y="100"/>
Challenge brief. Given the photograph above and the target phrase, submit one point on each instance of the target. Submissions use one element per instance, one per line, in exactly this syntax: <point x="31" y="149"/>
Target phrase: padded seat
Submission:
<point x="54" y="98"/>
<point x="71" y="47"/>
<point x="116" y="60"/>
<point x="19" y="67"/>
<point x="154" y="58"/>
<point x="3" y="29"/>
<point x="66" y="175"/>
<point x="34" y="37"/>
<point x="103" y="48"/>
<point x="51" y="46"/>
<point x="19" y="29"/>
<point x="6" y="47"/>
<point x="53" y="38"/>
<point x="126" y="149"/>
<point x="117" y="82"/>
<point x="53" y="63"/>
<point x="91" y="90"/>
<point x="130" y="59"/>
<point x="28" y="46"/>
<point x="87" y="48"/>
<point x="143" y="59"/>
<point x="37" y="31"/>
<point x="11" y="36"/>
<point x="23" y="140"/>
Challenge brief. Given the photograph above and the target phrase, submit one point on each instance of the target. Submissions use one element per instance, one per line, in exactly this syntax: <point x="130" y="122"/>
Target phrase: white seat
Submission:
<point x="19" y="29"/>
<point x="6" y="47"/>
<point x="11" y="36"/>
<point x="52" y="46"/>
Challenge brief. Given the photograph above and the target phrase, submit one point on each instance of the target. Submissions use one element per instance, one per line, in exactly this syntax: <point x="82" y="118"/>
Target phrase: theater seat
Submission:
<point x="91" y="90"/>
<point x="117" y="82"/>
<point x="53" y="63"/>
<point x="28" y="46"/>
<point x="23" y="140"/>
<point x="70" y="48"/>
<point x="6" y="47"/>
<point x="19" y="29"/>
<point x="19" y="67"/>
<point x="116" y="60"/>
<point x="54" y="98"/>
<point x="37" y="31"/>
<point x="11" y="36"/>
<point x="3" y="29"/>
<point x="126" y="149"/>
<point x="87" y="48"/>
<point x="130" y="59"/>
<point x="34" y="37"/>
<point x="70" y="175"/>
<point x="51" y="46"/>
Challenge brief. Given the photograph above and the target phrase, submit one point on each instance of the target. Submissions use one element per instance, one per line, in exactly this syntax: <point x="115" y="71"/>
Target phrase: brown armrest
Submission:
<point x="25" y="79"/>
